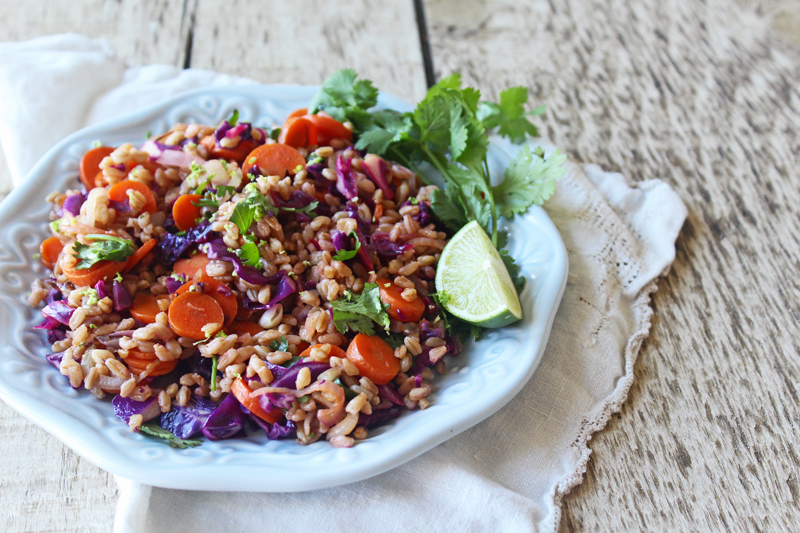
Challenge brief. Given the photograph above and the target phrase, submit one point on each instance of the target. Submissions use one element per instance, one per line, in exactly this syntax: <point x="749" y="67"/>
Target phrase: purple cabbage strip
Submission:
<point x="217" y="249"/>
<point x="379" y="416"/>
<point x="59" y="311"/>
<point x="381" y="244"/>
<point x="345" y="178"/>
<point x="53" y="295"/>
<point x="424" y="216"/>
<point x="340" y="240"/>
<point x="100" y="288"/>
<point x="125" y="408"/>
<point x="375" y="169"/>
<point x="199" y="364"/>
<point x="120" y="296"/>
<point x="49" y="323"/>
<point x="171" y="247"/>
<point x="426" y="331"/>
<point x="55" y="359"/>
<point x="174" y="284"/>
<point x="286" y="286"/>
<point x="297" y="199"/>
<point x="187" y="421"/>
<point x="352" y="210"/>
<point x="226" y="421"/>
<point x="120" y="207"/>
<point x="288" y="379"/>
<point x="388" y="392"/>
<point x="363" y="253"/>
<point x="275" y="431"/>
<point x="56" y="334"/>
<point x="72" y="205"/>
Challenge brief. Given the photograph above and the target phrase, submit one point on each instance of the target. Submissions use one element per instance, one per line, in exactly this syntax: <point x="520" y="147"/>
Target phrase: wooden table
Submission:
<point x="701" y="94"/>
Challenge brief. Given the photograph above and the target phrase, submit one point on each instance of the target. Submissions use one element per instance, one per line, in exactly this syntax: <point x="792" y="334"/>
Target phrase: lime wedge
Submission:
<point x="474" y="282"/>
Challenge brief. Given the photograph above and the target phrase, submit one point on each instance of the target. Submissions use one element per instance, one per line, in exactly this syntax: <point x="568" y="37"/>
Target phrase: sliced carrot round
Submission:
<point x="237" y="153"/>
<point x="145" y="307"/>
<point x="119" y="193"/>
<point x="240" y="327"/>
<point x="88" y="277"/>
<point x="139" y="254"/>
<point x="190" y="312"/>
<point x="90" y="165"/>
<point x="274" y="160"/>
<point x="242" y="391"/>
<point x="374" y="358"/>
<point x="399" y="308"/>
<point x="139" y="361"/>
<point x="329" y="128"/>
<point x="49" y="251"/>
<point x="335" y="351"/>
<point x="298" y="132"/>
<point x="189" y="267"/>
<point x="185" y="212"/>
<point x="216" y="289"/>
<point x="298" y="113"/>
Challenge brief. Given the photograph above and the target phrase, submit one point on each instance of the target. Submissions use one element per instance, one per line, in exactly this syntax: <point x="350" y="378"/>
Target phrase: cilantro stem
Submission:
<point x="213" y="372"/>
<point x="435" y="162"/>
<point x="488" y="180"/>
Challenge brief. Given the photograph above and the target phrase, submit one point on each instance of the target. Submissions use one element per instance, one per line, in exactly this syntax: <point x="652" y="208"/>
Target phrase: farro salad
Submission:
<point x="306" y="280"/>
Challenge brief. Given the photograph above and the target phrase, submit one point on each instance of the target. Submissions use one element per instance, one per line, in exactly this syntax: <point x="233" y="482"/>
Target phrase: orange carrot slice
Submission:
<point x="274" y="160"/>
<point x="119" y="193"/>
<point x="374" y="358"/>
<point x="399" y="308"/>
<point x="190" y="312"/>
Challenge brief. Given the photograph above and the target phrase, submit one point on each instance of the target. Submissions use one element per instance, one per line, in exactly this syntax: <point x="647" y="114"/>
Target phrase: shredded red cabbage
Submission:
<point x="381" y="244"/>
<point x="187" y="421"/>
<point x="379" y="416"/>
<point x="375" y="169"/>
<point x="120" y="296"/>
<point x="226" y="421"/>
<point x="345" y="178"/>
<point x="125" y="408"/>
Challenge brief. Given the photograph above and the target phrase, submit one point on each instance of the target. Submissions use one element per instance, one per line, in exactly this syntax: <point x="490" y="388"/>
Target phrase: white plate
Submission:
<point x="480" y="381"/>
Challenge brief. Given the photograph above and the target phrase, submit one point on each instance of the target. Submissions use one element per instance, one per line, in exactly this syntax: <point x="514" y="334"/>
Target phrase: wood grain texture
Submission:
<point x="704" y="96"/>
<point x="304" y="41"/>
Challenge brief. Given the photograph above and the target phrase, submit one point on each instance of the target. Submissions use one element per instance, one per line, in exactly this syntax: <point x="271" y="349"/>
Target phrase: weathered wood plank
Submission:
<point x="304" y="41"/>
<point x="703" y="96"/>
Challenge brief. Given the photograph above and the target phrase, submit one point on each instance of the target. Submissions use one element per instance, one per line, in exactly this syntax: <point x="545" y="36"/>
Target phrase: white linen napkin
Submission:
<point x="509" y="472"/>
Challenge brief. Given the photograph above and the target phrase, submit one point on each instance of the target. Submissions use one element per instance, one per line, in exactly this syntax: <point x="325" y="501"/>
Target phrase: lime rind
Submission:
<point x="475" y="281"/>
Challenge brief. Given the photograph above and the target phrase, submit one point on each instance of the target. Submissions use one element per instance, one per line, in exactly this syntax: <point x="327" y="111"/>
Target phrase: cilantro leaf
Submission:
<point x="448" y="209"/>
<point x="249" y="252"/>
<point x="509" y="115"/>
<point x="345" y="98"/>
<point x="359" y="313"/>
<point x="344" y="255"/>
<point x="153" y="429"/>
<point x="279" y="345"/>
<point x="529" y="179"/>
<point x="513" y="270"/>
<point x="103" y="248"/>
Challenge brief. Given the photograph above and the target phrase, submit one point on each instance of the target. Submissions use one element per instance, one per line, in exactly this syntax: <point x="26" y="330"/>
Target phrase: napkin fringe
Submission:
<point x="592" y="423"/>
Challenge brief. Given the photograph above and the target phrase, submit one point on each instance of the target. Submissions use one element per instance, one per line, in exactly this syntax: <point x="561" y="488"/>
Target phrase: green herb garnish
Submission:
<point x="213" y="372"/>
<point x="153" y="429"/>
<point x="279" y="345"/>
<point x="360" y="313"/>
<point x="234" y="117"/>
<point x="105" y="248"/>
<point x="345" y="255"/>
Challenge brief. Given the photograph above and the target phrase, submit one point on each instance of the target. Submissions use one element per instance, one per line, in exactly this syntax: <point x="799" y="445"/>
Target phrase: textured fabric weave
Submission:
<point x="506" y="474"/>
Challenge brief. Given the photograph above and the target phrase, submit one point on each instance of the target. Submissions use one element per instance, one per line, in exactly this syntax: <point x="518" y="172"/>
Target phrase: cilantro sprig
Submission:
<point x="102" y="248"/>
<point x="255" y="206"/>
<point x="449" y="130"/>
<point x="153" y="429"/>
<point x="360" y="312"/>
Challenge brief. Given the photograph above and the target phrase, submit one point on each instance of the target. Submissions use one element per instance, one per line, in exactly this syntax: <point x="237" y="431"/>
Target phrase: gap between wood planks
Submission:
<point x="188" y="20"/>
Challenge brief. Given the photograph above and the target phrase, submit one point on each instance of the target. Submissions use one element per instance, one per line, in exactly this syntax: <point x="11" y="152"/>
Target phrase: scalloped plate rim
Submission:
<point x="351" y="466"/>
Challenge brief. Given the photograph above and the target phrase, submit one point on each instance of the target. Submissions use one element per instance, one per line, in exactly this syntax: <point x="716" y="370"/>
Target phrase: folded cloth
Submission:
<point x="508" y="473"/>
